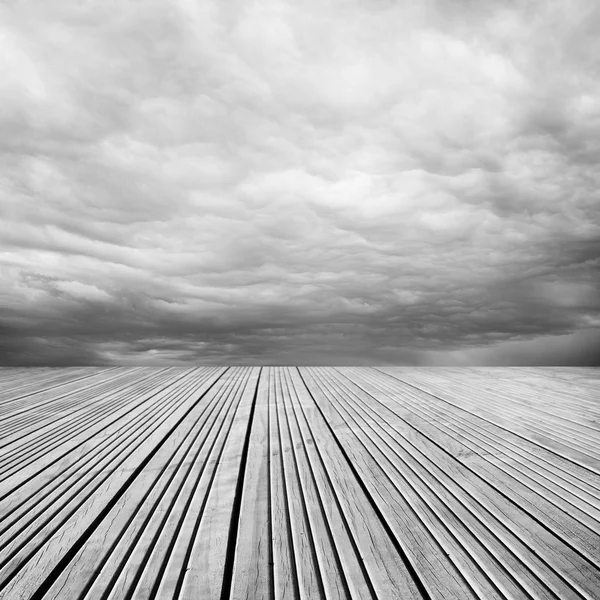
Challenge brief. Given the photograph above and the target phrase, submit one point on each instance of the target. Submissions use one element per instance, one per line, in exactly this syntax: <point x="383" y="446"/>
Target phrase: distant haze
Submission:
<point x="300" y="182"/>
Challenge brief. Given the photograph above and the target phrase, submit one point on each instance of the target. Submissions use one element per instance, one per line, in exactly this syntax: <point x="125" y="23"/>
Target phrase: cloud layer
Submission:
<point x="300" y="181"/>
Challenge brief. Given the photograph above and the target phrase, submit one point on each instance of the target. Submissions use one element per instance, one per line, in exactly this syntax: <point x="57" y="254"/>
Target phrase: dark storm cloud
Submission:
<point x="299" y="182"/>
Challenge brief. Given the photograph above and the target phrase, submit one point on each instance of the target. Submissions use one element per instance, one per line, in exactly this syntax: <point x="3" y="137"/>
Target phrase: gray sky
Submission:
<point x="300" y="181"/>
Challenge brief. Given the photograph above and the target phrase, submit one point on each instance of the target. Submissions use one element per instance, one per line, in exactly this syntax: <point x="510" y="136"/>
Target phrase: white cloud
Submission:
<point x="263" y="180"/>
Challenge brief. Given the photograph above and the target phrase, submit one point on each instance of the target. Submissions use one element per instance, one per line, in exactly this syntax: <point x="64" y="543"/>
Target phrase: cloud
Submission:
<point x="299" y="182"/>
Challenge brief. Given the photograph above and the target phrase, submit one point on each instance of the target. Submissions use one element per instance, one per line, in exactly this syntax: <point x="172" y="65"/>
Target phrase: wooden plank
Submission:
<point x="487" y="554"/>
<point x="252" y="576"/>
<point x="578" y="479"/>
<point x="548" y="555"/>
<point x="292" y="484"/>
<point x="540" y="476"/>
<point x="25" y="567"/>
<point x="389" y="575"/>
<point x="426" y="555"/>
<point x="90" y="464"/>
<point x="54" y="439"/>
<point x="510" y="420"/>
<point x="284" y="561"/>
<point x="33" y="381"/>
<point x="536" y="412"/>
<point x="134" y="544"/>
<point x="317" y="559"/>
<point x="207" y="570"/>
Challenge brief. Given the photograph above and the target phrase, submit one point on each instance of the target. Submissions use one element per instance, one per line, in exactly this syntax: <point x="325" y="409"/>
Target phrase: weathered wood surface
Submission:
<point x="286" y="483"/>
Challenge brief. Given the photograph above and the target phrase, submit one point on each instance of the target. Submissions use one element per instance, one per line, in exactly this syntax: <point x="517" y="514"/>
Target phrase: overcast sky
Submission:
<point x="300" y="182"/>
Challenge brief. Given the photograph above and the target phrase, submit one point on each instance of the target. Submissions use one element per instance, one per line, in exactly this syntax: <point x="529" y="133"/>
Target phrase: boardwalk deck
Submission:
<point x="299" y="483"/>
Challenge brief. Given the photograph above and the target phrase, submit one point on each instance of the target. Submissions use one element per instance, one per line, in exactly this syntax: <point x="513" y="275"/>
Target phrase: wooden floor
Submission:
<point x="285" y="483"/>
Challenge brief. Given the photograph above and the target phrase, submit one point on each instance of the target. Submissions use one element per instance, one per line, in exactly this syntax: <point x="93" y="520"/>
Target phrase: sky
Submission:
<point x="300" y="182"/>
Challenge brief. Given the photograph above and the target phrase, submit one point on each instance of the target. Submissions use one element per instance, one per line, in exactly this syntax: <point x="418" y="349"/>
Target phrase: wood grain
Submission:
<point x="285" y="483"/>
